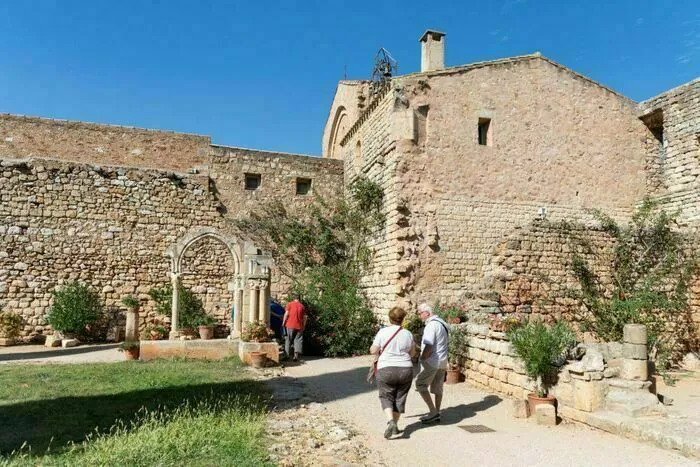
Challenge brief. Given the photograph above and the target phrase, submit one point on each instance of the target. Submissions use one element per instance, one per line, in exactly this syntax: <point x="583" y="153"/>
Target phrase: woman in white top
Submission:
<point x="395" y="347"/>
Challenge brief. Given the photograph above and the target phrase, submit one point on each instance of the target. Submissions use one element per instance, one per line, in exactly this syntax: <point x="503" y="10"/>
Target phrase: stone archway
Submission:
<point x="250" y="272"/>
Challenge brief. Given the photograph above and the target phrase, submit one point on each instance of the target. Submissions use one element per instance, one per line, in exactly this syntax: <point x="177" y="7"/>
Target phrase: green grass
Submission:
<point x="169" y="412"/>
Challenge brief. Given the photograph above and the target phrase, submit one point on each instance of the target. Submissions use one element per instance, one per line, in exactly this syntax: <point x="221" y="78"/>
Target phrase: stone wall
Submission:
<point x="677" y="153"/>
<point x="100" y="144"/>
<point x="106" y="226"/>
<point x="278" y="173"/>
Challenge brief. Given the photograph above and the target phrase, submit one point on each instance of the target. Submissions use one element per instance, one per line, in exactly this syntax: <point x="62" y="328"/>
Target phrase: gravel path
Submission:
<point x="339" y="384"/>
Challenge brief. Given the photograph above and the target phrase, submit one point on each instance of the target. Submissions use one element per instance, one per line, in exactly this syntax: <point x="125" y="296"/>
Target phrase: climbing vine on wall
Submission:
<point x="651" y="267"/>
<point x="324" y="251"/>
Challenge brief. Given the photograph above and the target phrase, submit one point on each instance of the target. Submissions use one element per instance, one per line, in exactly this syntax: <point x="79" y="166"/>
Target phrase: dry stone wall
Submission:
<point x="101" y="144"/>
<point x="106" y="226"/>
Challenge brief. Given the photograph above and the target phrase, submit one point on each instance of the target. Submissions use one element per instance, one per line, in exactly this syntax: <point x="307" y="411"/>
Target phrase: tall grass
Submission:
<point x="216" y="431"/>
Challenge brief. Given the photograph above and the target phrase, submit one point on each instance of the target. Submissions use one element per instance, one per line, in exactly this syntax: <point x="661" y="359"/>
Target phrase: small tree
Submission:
<point x="76" y="306"/>
<point x="191" y="309"/>
<point x="539" y="347"/>
<point x="10" y="324"/>
<point x="324" y="251"/>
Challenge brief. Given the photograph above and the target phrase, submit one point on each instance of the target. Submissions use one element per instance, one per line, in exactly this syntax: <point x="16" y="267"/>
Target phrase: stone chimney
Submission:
<point x="432" y="55"/>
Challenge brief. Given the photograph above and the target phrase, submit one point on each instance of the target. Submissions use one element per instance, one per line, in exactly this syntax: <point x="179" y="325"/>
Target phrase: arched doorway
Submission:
<point x="249" y="272"/>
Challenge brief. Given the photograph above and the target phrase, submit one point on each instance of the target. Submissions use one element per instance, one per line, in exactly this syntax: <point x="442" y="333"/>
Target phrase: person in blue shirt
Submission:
<point x="276" y="314"/>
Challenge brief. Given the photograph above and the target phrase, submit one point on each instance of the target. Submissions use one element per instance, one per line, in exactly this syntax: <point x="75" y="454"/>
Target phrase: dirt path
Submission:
<point x="339" y="385"/>
<point x="81" y="354"/>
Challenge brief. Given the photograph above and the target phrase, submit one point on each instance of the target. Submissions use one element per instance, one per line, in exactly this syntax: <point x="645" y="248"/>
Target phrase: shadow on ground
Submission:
<point x="456" y="414"/>
<point x="9" y="357"/>
<point x="56" y="422"/>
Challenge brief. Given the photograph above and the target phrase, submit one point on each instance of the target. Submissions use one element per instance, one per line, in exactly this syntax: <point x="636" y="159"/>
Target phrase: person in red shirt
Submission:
<point x="294" y="322"/>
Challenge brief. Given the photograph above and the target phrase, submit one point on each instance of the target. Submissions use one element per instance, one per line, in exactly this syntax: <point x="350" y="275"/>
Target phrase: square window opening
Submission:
<point x="252" y="181"/>
<point x="303" y="186"/>
<point x="484" y="131"/>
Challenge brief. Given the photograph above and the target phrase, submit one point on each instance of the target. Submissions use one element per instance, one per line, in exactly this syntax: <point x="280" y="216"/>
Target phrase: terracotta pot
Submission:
<point x="258" y="359"/>
<point x="453" y="377"/>
<point x="132" y="354"/>
<point x="454" y="320"/>
<point x="206" y="332"/>
<point x="534" y="401"/>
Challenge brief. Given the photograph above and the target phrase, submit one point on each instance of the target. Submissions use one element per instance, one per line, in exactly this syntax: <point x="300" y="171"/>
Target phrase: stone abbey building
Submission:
<point x="475" y="160"/>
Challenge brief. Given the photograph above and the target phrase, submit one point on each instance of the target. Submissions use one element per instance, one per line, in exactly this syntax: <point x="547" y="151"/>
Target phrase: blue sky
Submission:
<point x="262" y="74"/>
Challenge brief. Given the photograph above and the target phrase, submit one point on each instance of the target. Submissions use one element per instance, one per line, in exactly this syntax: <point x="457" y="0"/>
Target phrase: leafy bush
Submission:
<point x="324" y="251"/>
<point x="451" y="312"/>
<point x="76" y="307"/>
<point x="651" y="267"/>
<point x="191" y="307"/>
<point x="341" y="324"/>
<point x="10" y="324"/>
<point x="540" y="347"/>
<point x="128" y="345"/>
<point x="154" y="331"/>
<point x="206" y="320"/>
<point x="257" y="331"/>
<point x="458" y="346"/>
<point x="130" y="302"/>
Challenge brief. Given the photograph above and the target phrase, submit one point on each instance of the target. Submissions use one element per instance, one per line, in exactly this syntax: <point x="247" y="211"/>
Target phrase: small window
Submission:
<point x="484" y="132"/>
<point x="252" y="181"/>
<point x="303" y="186"/>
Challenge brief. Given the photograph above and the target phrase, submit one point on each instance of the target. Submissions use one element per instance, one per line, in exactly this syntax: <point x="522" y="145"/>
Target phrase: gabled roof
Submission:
<point x="507" y="60"/>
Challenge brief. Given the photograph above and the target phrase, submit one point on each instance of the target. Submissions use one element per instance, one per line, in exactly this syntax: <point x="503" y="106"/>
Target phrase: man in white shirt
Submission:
<point x="433" y="361"/>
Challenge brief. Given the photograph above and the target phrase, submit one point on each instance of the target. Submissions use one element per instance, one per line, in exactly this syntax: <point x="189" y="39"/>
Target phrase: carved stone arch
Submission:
<point x="176" y="252"/>
<point x="340" y="127"/>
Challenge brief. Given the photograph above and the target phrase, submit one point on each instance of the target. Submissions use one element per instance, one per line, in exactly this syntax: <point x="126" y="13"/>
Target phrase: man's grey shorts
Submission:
<point x="430" y="376"/>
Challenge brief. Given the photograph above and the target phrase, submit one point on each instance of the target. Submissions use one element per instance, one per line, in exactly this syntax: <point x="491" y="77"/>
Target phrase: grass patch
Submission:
<point x="133" y="413"/>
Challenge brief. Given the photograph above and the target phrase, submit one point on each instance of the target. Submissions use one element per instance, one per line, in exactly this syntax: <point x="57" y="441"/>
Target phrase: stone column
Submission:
<point x="238" y="313"/>
<point x="174" y="325"/>
<point x="264" y="305"/>
<point x="634" y="362"/>
<point x="132" y="324"/>
<point x="253" y="303"/>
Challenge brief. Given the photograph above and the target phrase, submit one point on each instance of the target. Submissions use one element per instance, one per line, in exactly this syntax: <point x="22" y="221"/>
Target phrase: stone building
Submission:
<point x="472" y="158"/>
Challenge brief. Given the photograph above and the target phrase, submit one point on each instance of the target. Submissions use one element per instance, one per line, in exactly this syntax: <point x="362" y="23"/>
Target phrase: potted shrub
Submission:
<point x="10" y="327"/>
<point x="154" y="332"/>
<point x="131" y="349"/>
<point x="131" y="303"/>
<point x="540" y="347"/>
<point x="451" y="313"/>
<point x="206" y="324"/>
<point x="76" y="307"/>
<point x="257" y="332"/>
<point x="456" y="353"/>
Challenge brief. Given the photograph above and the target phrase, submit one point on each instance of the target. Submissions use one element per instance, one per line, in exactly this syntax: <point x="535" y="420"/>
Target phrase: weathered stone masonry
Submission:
<point x="111" y="226"/>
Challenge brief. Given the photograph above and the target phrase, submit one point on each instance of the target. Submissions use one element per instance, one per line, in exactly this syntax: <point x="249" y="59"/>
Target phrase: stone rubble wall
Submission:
<point x="110" y="226"/>
<point x="377" y="160"/>
<point x="278" y="175"/>
<point x="602" y="380"/>
<point x="677" y="163"/>
<point x="110" y="145"/>
<point x="106" y="226"/>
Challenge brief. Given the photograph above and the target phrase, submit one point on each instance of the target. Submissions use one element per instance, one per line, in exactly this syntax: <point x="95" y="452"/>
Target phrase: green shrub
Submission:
<point x="76" y="307"/>
<point x="340" y="322"/>
<point x="257" y="331"/>
<point x="10" y="324"/>
<point x="191" y="308"/>
<point x="130" y="302"/>
<point x="451" y="311"/>
<point x="457" y="346"/>
<point x="540" y="347"/>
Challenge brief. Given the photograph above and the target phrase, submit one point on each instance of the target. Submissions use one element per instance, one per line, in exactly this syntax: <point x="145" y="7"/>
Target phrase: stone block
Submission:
<point x="546" y="415"/>
<point x="66" y="343"/>
<point x="634" y="369"/>
<point x="592" y="361"/>
<point x="520" y="408"/>
<point x="52" y="341"/>
<point x="589" y="395"/>
<point x="634" y="351"/>
<point x="6" y="341"/>
<point x="635" y="334"/>
<point x="564" y="392"/>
